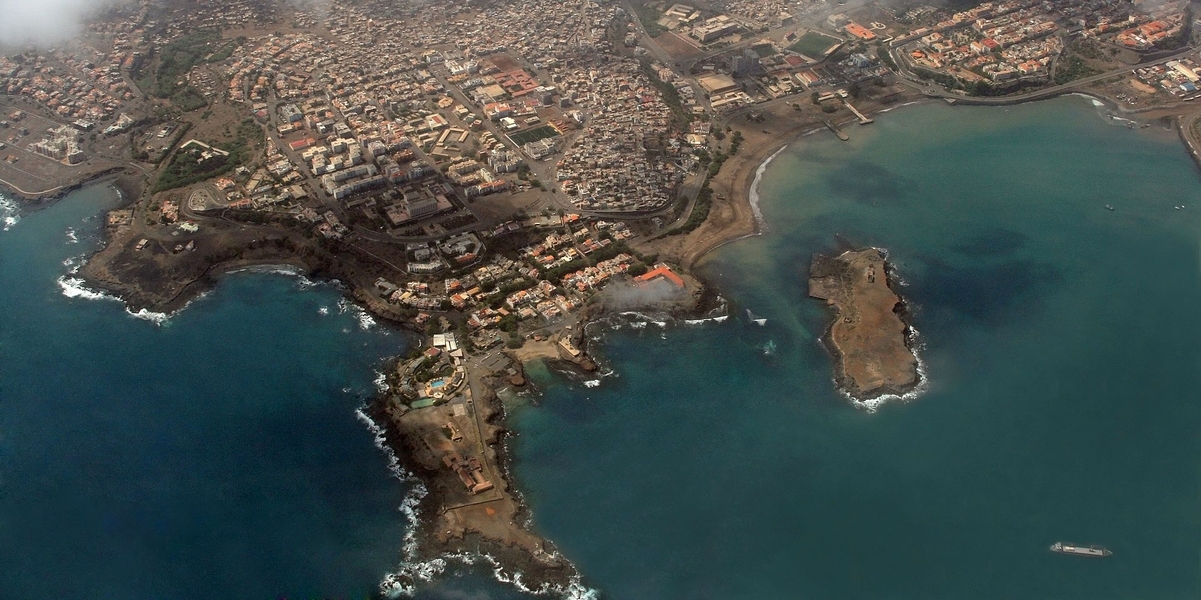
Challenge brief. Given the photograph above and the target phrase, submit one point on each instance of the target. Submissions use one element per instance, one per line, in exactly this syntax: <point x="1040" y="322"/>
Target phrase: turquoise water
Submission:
<point x="1063" y="347"/>
<point x="217" y="455"/>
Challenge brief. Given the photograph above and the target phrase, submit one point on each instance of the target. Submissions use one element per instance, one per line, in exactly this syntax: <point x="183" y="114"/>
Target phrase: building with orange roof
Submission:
<point x="860" y="32"/>
<point x="661" y="271"/>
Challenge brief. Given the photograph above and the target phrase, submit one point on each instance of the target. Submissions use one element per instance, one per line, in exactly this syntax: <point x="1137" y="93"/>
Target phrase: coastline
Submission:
<point x="733" y="217"/>
<point x="871" y="354"/>
<point x="439" y="530"/>
<point x="45" y="197"/>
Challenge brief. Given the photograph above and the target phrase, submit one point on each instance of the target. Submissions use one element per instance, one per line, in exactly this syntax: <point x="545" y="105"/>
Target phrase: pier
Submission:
<point x="863" y="120"/>
<point x="838" y="132"/>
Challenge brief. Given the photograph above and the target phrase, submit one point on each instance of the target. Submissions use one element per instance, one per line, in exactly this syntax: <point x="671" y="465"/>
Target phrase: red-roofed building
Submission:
<point x="299" y="145"/>
<point x="660" y="271"/>
<point x="860" y="32"/>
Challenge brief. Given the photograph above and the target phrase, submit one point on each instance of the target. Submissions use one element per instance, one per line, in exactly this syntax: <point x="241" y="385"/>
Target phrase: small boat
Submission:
<point x="1109" y="207"/>
<point x="1093" y="551"/>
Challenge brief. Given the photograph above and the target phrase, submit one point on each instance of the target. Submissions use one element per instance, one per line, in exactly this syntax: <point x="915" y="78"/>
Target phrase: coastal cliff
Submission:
<point x="868" y="338"/>
<point x="437" y="445"/>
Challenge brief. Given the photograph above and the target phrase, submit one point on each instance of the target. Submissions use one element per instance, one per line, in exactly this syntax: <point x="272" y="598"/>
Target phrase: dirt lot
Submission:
<point x="502" y="206"/>
<point x="505" y="63"/>
<point x="675" y="45"/>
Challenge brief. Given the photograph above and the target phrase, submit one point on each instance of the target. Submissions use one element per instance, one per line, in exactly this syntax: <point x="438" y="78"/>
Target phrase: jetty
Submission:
<point x="863" y="119"/>
<point x="838" y="132"/>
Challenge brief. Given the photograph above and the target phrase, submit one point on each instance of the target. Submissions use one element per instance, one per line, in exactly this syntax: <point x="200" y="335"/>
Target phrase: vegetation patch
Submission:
<point x="522" y="138"/>
<point x="650" y="20"/>
<point x="194" y="164"/>
<point x="1071" y="68"/>
<point x="168" y="79"/>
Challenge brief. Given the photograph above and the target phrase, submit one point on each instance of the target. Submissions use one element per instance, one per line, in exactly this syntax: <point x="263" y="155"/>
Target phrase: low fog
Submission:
<point x="631" y="296"/>
<point x="44" y="22"/>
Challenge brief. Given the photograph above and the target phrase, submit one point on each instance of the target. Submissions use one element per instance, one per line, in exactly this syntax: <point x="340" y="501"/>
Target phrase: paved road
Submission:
<point x="936" y="91"/>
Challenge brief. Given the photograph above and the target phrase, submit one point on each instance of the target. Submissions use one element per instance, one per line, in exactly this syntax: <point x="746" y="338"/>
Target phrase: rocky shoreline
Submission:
<point x="542" y="570"/>
<point x="869" y="338"/>
<point x="496" y="525"/>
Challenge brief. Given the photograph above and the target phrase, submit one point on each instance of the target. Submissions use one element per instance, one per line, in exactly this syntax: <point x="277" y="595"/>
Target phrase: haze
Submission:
<point x="44" y="21"/>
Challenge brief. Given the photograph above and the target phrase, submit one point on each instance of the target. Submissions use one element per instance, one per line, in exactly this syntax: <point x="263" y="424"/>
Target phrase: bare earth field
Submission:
<point x="868" y="338"/>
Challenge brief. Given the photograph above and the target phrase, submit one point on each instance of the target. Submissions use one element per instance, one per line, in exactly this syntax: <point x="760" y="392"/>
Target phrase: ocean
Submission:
<point x="1062" y="346"/>
<point x="212" y="454"/>
<point x="218" y="454"/>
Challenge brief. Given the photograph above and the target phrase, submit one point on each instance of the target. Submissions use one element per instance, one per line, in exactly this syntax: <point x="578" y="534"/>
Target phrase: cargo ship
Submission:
<point x="1096" y="551"/>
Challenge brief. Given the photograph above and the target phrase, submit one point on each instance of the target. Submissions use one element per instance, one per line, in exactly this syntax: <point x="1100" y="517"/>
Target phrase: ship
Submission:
<point x="1096" y="551"/>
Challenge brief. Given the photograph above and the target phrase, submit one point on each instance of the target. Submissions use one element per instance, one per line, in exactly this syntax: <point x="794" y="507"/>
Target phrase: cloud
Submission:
<point x="45" y="22"/>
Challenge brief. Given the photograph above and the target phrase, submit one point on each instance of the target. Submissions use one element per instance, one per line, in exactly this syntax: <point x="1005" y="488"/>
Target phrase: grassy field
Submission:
<point x="522" y="138"/>
<point x="813" y="44"/>
<point x="764" y="50"/>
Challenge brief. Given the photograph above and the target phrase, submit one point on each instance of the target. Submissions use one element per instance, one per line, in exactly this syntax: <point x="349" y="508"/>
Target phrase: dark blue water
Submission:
<point x="215" y="456"/>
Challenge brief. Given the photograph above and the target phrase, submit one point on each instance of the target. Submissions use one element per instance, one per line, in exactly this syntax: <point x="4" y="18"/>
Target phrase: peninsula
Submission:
<point x="490" y="176"/>
<point x="868" y="338"/>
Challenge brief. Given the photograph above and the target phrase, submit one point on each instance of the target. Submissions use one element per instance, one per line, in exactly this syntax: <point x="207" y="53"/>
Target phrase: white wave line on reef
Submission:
<point x="923" y="382"/>
<point x="718" y="319"/>
<point x="900" y="106"/>
<point x="8" y="213"/>
<point x="642" y="318"/>
<point x="359" y="313"/>
<point x="753" y="195"/>
<point x="302" y="280"/>
<point x="75" y="287"/>
<point x="403" y="582"/>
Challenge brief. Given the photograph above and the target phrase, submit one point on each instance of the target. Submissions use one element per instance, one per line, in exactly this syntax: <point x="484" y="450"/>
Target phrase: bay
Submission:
<point x="1062" y="345"/>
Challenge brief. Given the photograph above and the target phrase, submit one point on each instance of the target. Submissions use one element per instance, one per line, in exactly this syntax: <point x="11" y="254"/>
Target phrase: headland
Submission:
<point x="496" y="201"/>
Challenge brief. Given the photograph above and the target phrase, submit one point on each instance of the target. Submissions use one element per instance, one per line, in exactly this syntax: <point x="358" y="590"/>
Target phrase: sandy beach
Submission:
<point x="731" y="215"/>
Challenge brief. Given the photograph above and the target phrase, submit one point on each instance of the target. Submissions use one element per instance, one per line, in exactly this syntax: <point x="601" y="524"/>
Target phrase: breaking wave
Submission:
<point x="720" y="319"/>
<point x="753" y="196"/>
<point x="72" y="238"/>
<point x="366" y="322"/>
<point x="923" y="382"/>
<point x="892" y="108"/>
<point x="75" y="287"/>
<point x="9" y="215"/>
<point x="404" y="581"/>
<point x="639" y="320"/>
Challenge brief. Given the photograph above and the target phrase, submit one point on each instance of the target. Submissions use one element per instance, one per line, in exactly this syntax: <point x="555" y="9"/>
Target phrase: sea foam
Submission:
<point x="923" y="382"/>
<point x="754" y="193"/>
<point x="403" y="582"/>
<point x="9" y="215"/>
<point x="75" y="287"/>
<point x="359" y="313"/>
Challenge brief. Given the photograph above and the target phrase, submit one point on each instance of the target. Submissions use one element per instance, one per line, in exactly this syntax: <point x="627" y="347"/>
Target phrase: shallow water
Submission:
<point x="1063" y="346"/>
<point x="1062" y="342"/>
